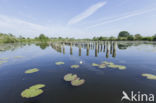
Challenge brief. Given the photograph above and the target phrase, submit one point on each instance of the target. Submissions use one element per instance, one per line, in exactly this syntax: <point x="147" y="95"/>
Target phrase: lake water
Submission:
<point x="102" y="85"/>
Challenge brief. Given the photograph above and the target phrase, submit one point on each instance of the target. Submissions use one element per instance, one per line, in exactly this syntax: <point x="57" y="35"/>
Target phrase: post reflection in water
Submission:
<point x="97" y="47"/>
<point x="71" y="49"/>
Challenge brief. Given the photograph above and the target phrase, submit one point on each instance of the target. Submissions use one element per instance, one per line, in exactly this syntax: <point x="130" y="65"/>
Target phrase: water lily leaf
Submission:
<point x="33" y="91"/>
<point x="1" y="62"/>
<point x="107" y="63"/>
<point x="19" y="56"/>
<point x="59" y="63"/>
<point x="4" y="58"/>
<point x="37" y="86"/>
<point x="75" y="66"/>
<point x="149" y="76"/>
<point x="102" y="66"/>
<point x="94" y="64"/>
<point x="121" y="67"/>
<point x="70" y="77"/>
<point x="77" y="82"/>
<point x="31" y="70"/>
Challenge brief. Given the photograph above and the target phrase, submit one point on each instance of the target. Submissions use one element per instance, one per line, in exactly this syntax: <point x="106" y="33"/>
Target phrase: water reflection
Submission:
<point x="97" y="47"/>
<point x="106" y="48"/>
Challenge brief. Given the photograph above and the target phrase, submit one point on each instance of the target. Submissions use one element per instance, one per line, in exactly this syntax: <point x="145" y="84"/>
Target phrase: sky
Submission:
<point x="77" y="18"/>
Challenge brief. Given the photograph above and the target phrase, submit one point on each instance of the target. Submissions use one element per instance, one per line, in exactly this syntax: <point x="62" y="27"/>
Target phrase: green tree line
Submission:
<point x="122" y="36"/>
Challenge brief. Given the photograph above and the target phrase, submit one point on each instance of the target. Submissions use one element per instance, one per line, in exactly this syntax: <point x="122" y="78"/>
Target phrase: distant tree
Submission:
<point x="154" y="37"/>
<point x="112" y="38"/>
<point x="130" y="37"/>
<point x="123" y="34"/>
<point x="138" y="37"/>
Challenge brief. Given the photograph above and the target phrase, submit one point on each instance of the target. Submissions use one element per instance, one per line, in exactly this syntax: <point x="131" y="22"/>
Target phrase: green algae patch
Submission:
<point x="94" y="64"/>
<point x="77" y="82"/>
<point x="75" y="66"/>
<point x="31" y="71"/>
<point x="33" y="91"/>
<point x="59" y="63"/>
<point x="149" y="76"/>
<point x="70" y="77"/>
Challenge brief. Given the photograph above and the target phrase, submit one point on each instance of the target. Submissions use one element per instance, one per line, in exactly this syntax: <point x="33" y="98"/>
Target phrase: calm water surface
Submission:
<point x="101" y="86"/>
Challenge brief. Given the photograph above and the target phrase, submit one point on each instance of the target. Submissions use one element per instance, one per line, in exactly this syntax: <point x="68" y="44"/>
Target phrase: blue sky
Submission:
<point x="77" y="18"/>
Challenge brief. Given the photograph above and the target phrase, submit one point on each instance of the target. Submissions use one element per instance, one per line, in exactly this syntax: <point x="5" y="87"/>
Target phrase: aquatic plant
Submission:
<point x="102" y="66"/>
<point x="75" y="66"/>
<point x="149" y="76"/>
<point x="1" y="62"/>
<point x="77" y="82"/>
<point x="4" y="58"/>
<point x="94" y="64"/>
<point x="31" y="70"/>
<point x="33" y="91"/>
<point x="105" y="64"/>
<point x="70" y="77"/>
<point x="81" y="62"/>
<point x="19" y="56"/>
<point x="59" y="63"/>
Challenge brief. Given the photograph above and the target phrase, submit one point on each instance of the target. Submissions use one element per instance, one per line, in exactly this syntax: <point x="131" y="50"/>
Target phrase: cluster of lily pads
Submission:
<point x="149" y="76"/>
<point x="33" y="91"/>
<point x="4" y="60"/>
<point x="110" y="65"/>
<point x="74" y="79"/>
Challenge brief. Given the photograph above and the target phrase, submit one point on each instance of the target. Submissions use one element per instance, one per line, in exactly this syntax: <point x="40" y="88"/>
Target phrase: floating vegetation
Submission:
<point x="18" y="56"/>
<point x="149" y="76"/>
<point x="75" y="66"/>
<point x="31" y="70"/>
<point x="105" y="64"/>
<point x="77" y="82"/>
<point x="4" y="58"/>
<point x="70" y="77"/>
<point x="1" y="62"/>
<point x="74" y="79"/>
<point x="94" y="64"/>
<point x="102" y="66"/>
<point x="59" y="63"/>
<point x="81" y="62"/>
<point x="33" y="91"/>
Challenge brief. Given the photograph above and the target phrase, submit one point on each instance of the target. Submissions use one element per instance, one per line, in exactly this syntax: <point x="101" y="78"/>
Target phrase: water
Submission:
<point x="101" y="86"/>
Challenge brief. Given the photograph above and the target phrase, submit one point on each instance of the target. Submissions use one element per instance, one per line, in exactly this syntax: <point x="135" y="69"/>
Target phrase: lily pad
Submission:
<point x="102" y="66"/>
<point x="37" y="86"/>
<point x="149" y="76"/>
<point x="19" y="56"/>
<point x="33" y="91"/>
<point x="120" y="67"/>
<point x="75" y="66"/>
<point x="94" y="64"/>
<point x="31" y="70"/>
<point x="70" y="77"/>
<point x="77" y="82"/>
<point x="59" y="63"/>
<point x="4" y="58"/>
<point x="1" y="62"/>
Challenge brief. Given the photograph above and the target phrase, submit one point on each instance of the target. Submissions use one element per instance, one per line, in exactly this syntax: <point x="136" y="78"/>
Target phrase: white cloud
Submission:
<point x="28" y="29"/>
<point x="121" y="18"/>
<point x="91" y="10"/>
